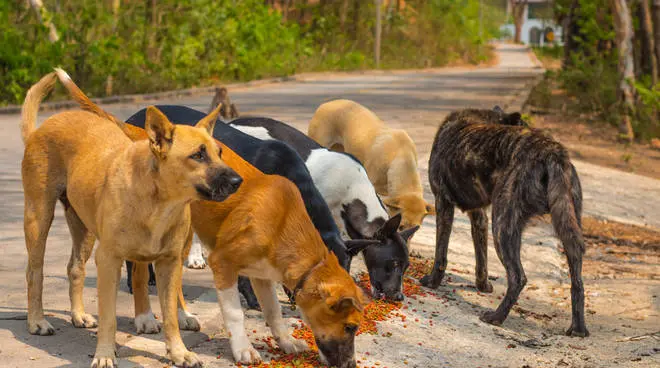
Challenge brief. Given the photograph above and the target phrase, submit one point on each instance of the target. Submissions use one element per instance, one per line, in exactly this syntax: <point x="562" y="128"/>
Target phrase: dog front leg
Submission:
<point x="267" y="296"/>
<point x="232" y="313"/>
<point x="195" y="258"/>
<point x="109" y="271"/>
<point x="443" y="223"/>
<point x="145" y="321"/>
<point x="479" y="225"/>
<point x="168" y="282"/>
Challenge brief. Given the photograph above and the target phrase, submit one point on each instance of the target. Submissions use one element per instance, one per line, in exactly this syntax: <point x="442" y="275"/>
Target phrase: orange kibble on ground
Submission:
<point x="375" y="311"/>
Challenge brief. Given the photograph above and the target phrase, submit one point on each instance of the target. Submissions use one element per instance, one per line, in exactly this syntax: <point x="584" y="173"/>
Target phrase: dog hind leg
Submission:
<point x="83" y="244"/>
<point x="479" y="225"/>
<point x="187" y="321"/>
<point x="443" y="223"/>
<point x="145" y="321"/>
<point x="39" y="211"/>
<point x="508" y="224"/>
<point x="265" y="291"/>
<point x="168" y="281"/>
<point x="566" y="210"/>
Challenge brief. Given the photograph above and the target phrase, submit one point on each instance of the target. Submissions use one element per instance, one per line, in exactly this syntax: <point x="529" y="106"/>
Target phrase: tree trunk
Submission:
<point x="285" y="10"/>
<point x="572" y="30"/>
<point x="343" y="13"/>
<point x="44" y="18"/>
<point x="379" y="26"/>
<point x="518" y="11"/>
<point x="649" y="63"/>
<point x="656" y="29"/>
<point x="356" y="20"/>
<point x="626" y="92"/>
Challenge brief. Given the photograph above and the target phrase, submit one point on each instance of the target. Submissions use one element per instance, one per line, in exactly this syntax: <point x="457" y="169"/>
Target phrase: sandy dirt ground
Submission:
<point x="439" y="330"/>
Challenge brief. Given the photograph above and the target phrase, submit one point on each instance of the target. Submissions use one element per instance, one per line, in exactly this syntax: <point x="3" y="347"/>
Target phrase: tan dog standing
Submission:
<point x="133" y="197"/>
<point x="388" y="155"/>
<point x="263" y="231"/>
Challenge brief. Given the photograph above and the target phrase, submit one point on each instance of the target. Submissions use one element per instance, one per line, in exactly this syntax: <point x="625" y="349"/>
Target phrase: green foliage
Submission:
<point x="151" y="46"/>
<point x="590" y="78"/>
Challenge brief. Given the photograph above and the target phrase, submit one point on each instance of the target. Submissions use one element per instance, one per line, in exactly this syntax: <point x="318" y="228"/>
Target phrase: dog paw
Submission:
<point x="187" y="359"/>
<point x="577" y="331"/>
<point x="146" y="323"/>
<point x="83" y="320"/>
<point x="195" y="261"/>
<point x="430" y="282"/>
<point x="292" y="345"/>
<point x="492" y="318"/>
<point x="485" y="286"/>
<point x="247" y="355"/>
<point x="187" y="321"/>
<point x="103" y="362"/>
<point x="41" y="327"/>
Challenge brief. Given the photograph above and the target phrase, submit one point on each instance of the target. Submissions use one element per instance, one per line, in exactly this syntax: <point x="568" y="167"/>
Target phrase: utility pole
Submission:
<point x="378" y="31"/>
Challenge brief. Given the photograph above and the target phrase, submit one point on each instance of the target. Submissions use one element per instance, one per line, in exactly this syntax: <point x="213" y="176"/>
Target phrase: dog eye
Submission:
<point x="351" y="329"/>
<point x="199" y="156"/>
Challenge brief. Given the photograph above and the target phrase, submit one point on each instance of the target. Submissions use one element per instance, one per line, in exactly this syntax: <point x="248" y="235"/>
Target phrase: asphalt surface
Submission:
<point x="413" y="100"/>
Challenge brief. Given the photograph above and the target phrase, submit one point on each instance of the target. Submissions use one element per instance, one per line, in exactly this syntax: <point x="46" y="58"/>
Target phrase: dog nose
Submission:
<point x="235" y="182"/>
<point x="398" y="297"/>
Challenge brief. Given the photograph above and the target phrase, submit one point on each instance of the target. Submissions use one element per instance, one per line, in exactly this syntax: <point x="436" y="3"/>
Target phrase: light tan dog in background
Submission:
<point x="133" y="197"/>
<point x="388" y="155"/>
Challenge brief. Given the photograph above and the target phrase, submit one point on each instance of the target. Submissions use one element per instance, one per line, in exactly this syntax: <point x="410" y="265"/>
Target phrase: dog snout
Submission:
<point x="235" y="182"/>
<point x="222" y="181"/>
<point x="397" y="297"/>
<point x="338" y="353"/>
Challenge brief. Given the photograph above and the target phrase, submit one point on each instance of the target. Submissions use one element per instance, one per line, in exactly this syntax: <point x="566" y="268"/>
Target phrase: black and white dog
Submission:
<point x="355" y="206"/>
<point x="274" y="157"/>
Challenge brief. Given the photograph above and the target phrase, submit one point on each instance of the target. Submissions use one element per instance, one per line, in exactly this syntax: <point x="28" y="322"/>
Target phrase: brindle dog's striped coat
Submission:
<point x="483" y="157"/>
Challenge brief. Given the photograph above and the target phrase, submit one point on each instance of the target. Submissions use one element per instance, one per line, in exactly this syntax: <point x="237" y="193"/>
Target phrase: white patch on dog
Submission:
<point x="195" y="257"/>
<point x="147" y="323"/>
<point x="348" y="181"/>
<point x="232" y="314"/>
<point x="257" y="132"/>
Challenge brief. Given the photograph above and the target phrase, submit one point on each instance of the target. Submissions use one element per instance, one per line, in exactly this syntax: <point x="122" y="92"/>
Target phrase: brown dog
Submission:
<point x="133" y="197"/>
<point x="228" y="110"/>
<point x="388" y="155"/>
<point x="263" y="231"/>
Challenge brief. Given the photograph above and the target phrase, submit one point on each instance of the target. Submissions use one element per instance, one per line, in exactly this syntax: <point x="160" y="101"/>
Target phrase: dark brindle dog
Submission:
<point x="483" y="157"/>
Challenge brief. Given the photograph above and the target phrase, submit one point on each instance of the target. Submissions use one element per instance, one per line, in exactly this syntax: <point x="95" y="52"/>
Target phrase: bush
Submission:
<point x="151" y="46"/>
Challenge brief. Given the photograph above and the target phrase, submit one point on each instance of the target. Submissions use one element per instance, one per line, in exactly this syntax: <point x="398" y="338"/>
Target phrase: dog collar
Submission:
<point x="303" y="278"/>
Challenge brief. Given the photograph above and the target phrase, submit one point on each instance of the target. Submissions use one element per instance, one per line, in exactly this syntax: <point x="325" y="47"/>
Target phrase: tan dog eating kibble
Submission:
<point x="388" y="155"/>
<point x="133" y="197"/>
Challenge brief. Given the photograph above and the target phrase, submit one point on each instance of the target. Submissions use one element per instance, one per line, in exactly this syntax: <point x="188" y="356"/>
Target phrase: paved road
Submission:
<point x="414" y="100"/>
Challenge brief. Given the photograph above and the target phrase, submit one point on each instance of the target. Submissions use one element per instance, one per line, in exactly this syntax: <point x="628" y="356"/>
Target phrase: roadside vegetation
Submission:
<point x="116" y="47"/>
<point x="607" y="70"/>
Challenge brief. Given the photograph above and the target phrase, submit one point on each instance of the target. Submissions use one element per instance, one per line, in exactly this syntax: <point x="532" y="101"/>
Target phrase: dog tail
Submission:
<point x="33" y="99"/>
<point x="565" y="202"/>
<point x="85" y="103"/>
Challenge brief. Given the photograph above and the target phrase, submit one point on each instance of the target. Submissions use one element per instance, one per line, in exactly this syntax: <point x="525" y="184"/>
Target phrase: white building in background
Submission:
<point x="538" y="26"/>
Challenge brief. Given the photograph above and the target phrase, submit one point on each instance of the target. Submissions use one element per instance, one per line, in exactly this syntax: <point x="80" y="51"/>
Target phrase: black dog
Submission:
<point x="352" y="199"/>
<point x="481" y="157"/>
<point x="277" y="158"/>
<point x="129" y="279"/>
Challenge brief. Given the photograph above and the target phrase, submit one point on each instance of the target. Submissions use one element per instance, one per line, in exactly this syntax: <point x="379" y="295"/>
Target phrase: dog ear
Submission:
<point x="160" y="132"/>
<point x="345" y="305"/>
<point x="408" y="233"/>
<point x="208" y="122"/>
<point x="513" y="119"/>
<point x="389" y="227"/>
<point x="355" y="246"/>
<point x="498" y="109"/>
<point x="391" y="202"/>
<point x="430" y="209"/>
